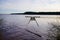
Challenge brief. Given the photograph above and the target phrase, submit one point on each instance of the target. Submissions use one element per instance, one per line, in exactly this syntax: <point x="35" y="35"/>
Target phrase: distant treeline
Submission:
<point x="37" y="13"/>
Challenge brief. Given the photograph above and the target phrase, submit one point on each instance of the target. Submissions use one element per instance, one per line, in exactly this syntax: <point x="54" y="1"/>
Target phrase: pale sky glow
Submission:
<point x="9" y="6"/>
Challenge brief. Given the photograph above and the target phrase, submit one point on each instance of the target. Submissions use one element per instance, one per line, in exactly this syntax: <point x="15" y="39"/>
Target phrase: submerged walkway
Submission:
<point x="17" y="33"/>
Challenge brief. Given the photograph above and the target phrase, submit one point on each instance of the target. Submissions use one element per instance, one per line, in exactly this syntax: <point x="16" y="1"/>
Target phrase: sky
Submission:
<point x="20" y="6"/>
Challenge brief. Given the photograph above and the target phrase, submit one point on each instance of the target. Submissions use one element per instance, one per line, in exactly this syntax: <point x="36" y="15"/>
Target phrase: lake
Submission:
<point x="22" y="22"/>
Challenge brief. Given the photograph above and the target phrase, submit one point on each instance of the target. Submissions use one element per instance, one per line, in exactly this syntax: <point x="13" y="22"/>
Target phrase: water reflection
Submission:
<point x="21" y="22"/>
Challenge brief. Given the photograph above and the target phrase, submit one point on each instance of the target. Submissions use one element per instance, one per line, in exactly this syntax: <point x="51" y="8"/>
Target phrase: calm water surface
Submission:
<point x="22" y="21"/>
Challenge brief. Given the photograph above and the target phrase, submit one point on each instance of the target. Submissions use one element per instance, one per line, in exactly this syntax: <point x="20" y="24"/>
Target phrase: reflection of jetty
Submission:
<point x="37" y="13"/>
<point x="32" y="18"/>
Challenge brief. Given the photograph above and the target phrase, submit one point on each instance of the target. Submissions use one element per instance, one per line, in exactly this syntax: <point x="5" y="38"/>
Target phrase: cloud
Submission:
<point x="30" y="5"/>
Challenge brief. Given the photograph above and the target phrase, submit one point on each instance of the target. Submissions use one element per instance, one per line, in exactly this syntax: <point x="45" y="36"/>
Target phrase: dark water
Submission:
<point x="22" y="22"/>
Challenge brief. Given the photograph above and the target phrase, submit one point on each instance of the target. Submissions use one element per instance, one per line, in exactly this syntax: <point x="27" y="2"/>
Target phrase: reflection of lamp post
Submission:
<point x="33" y="19"/>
